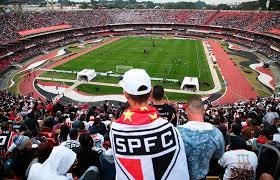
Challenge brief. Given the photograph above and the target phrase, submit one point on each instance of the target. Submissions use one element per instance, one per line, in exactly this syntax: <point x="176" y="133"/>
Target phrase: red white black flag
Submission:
<point x="147" y="147"/>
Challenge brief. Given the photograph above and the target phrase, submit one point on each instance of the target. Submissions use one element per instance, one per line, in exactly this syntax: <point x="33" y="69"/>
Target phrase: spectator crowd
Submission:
<point x="251" y="21"/>
<point x="14" y="50"/>
<point x="138" y="139"/>
<point x="47" y="139"/>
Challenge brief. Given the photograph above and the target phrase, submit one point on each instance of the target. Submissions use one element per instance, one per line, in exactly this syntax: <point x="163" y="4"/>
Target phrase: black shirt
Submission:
<point x="167" y="112"/>
<point x="21" y="160"/>
<point x="101" y="128"/>
<point x="6" y="139"/>
<point x="268" y="160"/>
<point x="86" y="158"/>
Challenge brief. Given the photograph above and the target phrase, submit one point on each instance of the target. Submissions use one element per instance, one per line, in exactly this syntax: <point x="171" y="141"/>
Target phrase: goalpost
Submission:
<point x="122" y="68"/>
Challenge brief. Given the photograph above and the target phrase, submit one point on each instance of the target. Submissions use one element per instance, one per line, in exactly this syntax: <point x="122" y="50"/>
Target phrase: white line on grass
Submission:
<point x="169" y="69"/>
<point x="149" y="63"/>
<point x="198" y="68"/>
<point x="175" y="75"/>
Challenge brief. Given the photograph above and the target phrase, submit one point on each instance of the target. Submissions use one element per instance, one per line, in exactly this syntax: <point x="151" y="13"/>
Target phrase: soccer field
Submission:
<point x="170" y="58"/>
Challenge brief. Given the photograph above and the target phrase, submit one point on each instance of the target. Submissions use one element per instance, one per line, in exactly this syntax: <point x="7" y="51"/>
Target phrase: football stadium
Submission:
<point x="163" y="59"/>
<point x="140" y="89"/>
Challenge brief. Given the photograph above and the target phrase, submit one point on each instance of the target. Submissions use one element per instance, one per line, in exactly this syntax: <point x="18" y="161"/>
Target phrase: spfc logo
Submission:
<point x="146" y="153"/>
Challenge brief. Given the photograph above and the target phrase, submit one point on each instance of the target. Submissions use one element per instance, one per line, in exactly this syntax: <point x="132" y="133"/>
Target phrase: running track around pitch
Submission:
<point x="238" y="88"/>
<point x="26" y="83"/>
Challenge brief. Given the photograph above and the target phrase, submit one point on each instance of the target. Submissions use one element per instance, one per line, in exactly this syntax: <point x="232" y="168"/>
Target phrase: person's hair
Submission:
<point x="237" y="120"/>
<point x="253" y="122"/>
<point x="72" y="116"/>
<point x="216" y="121"/>
<point x="237" y="142"/>
<point x="48" y="122"/>
<point x="5" y="126"/>
<point x="44" y="151"/>
<point x="236" y="129"/>
<point x="273" y="109"/>
<point x="64" y="131"/>
<point x="22" y="127"/>
<point x="268" y="133"/>
<point x="158" y="92"/>
<point x="82" y="117"/>
<point x="73" y="133"/>
<point x="58" y="114"/>
<point x="82" y="126"/>
<point x="97" y="120"/>
<point x="139" y="99"/>
<point x="195" y="102"/>
<point x="86" y="141"/>
<point x="28" y="133"/>
<point x="61" y="119"/>
<point x="222" y="119"/>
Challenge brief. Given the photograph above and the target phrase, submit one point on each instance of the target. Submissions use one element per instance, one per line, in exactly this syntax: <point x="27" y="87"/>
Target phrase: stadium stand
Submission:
<point x="244" y="27"/>
<point x="33" y="129"/>
<point x="254" y="21"/>
<point x="256" y="121"/>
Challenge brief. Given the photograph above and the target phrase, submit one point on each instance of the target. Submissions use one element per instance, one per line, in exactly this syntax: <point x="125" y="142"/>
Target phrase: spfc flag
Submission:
<point x="148" y="151"/>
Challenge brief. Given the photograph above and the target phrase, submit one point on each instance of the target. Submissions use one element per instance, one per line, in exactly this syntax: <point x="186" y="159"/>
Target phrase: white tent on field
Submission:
<point x="86" y="74"/>
<point x="190" y="84"/>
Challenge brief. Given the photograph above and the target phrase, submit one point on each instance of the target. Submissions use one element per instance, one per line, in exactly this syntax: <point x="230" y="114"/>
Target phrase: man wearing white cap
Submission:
<point x="145" y="146"/>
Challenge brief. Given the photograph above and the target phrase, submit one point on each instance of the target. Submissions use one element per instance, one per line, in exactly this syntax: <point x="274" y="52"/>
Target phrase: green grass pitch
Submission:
<point x="170" y="58"/>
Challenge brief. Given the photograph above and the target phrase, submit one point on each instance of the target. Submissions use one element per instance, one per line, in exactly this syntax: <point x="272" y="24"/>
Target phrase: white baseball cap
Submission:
<point x="133" y="79"/>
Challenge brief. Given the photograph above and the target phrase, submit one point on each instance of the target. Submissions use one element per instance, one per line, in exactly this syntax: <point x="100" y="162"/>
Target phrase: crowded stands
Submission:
<point x="251" y="21"/>
<point x="50" y="139"/>
<point x="139" y="139"/>
<point x="24" y="49"/>
<point x="235" y="26"/>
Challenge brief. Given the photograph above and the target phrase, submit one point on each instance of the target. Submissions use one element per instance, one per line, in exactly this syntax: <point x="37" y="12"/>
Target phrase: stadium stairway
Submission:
<point x="258" y="19"/>
<point x="212" y="18"/>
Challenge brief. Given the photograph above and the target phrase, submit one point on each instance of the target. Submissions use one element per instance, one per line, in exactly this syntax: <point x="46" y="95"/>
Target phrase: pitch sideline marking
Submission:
<point x="198" y="69"/>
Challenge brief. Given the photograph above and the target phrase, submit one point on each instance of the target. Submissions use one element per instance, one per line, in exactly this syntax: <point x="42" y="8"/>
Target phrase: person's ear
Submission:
<point x="188" y="109"/>
<point x="126" y="95"/>
<point x="151" y="98"/>
<point x="151" y="93"/>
